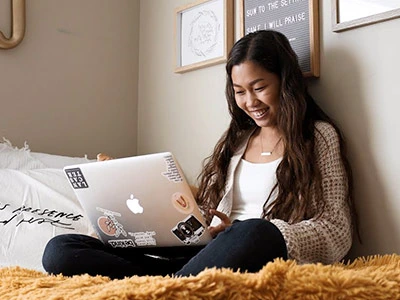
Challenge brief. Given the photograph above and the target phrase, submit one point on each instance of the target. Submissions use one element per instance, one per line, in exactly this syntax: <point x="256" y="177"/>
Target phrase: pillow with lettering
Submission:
<point x="36" y="205"/>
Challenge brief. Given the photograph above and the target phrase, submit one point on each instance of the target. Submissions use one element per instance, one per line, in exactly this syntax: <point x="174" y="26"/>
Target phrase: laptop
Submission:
<point x="140" y="201"/>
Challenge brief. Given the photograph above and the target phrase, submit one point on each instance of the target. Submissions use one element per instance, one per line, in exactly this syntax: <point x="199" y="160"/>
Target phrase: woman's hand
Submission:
<point x="103" y="157"/>
<point x="226" y="222"/>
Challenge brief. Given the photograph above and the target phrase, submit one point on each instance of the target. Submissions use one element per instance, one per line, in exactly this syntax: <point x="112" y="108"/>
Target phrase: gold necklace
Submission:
<point x="268" y="153"/>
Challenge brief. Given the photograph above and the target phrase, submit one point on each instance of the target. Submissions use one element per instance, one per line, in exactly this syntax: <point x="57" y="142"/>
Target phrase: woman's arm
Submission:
<point x="327" y="237"/>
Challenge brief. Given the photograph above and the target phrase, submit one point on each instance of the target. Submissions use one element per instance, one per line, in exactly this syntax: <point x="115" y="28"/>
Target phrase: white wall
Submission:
<point x="186" y="113"/>
<point x="70" y="87"/>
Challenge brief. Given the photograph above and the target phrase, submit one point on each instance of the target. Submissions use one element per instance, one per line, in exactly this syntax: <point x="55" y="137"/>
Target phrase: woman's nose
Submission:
<point x="251" y="98"/>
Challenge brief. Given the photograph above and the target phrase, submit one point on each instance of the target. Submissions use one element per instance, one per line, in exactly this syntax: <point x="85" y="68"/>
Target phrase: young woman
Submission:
<point x="278" y="183"/>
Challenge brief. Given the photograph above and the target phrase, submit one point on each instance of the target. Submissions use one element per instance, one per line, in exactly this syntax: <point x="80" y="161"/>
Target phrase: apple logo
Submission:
<point x="133" y="205"/>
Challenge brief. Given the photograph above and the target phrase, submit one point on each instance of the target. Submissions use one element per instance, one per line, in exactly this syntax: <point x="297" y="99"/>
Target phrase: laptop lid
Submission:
<point x="140" y="201"/>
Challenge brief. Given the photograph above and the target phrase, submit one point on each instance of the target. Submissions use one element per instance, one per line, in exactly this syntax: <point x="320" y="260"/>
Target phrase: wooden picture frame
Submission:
<point x="298" y="20"/>
<point x="345" y="17"/>
<point x="203" y="34"/>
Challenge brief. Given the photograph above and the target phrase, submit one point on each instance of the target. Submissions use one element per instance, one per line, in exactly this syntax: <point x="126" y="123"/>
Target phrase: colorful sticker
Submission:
<point x="109" y="224"/>
<point x="189" y="230"/>
<point x="76" y="178"/>
<point x="182" y="203"/>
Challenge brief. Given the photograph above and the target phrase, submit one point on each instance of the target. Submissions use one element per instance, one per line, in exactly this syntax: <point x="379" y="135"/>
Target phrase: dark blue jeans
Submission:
<point x="246" y="246"/>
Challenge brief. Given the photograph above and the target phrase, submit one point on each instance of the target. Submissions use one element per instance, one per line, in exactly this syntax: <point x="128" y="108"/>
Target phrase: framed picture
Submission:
<point x="203" y="34"/>
<point x="348" y="14"/>
<point x="297" y="19"/>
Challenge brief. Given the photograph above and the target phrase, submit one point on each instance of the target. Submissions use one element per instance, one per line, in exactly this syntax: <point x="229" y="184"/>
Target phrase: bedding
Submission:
<point x="36" y="204"/>
<point x="373" y="278"/>
<point x="17" y="159"/>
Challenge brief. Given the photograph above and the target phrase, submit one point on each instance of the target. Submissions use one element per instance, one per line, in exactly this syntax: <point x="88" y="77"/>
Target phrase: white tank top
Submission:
<point x="252" y="185"/>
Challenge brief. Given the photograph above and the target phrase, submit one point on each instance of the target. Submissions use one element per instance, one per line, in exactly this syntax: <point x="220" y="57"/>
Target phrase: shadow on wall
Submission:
<point x="341" y="93"/>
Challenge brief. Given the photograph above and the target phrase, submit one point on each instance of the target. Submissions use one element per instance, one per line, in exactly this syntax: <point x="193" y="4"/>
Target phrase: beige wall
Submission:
<point x="70" y="87"/>
<point x="186" y="113"/>
<point x="359" y="88"/>
<point x="182" y="113"/>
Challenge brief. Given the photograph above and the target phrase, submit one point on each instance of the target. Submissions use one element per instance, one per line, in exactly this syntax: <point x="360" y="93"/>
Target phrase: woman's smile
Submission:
<point x="256" y="92"/>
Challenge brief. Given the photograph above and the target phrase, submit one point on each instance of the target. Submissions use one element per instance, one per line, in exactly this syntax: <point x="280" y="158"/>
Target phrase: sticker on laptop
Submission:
<point x="182" y="203"/>
<point x="108" y="223"/>
<point x="125" y="243"/>
<point x="144" y="238"/>
<point x="189" y="230"/>
<point x="172" y="173"/>
<point x="76" y="178"/>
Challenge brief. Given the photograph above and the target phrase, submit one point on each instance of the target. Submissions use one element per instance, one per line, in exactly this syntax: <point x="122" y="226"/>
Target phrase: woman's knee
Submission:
<point x="59" y="251"/>
<point x="253" y="227"/>
<point x="259" y="233"/>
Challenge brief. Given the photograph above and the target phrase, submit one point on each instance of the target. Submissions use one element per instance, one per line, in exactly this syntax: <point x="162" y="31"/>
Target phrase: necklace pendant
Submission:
<point x="266" y="153"/>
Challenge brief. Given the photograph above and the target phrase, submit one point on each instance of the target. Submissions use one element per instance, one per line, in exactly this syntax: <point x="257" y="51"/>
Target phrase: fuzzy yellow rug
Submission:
<point x="372" y="278"/>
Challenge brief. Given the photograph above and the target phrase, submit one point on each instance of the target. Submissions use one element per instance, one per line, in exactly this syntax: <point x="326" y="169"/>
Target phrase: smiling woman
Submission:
<point x="294" y="203"/>
<point x="256" y="92"/>
<point x="17" y="27"/>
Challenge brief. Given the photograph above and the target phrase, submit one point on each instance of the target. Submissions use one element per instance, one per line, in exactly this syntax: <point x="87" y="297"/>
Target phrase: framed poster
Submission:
<point x="348" y="14"/>
<point x="297" y="19"/>
<point x="203" y="34"/>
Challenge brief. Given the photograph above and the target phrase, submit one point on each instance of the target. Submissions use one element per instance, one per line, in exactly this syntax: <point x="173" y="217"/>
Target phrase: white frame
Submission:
<point x="191" y="60"/>
<point x="338" y="26"/>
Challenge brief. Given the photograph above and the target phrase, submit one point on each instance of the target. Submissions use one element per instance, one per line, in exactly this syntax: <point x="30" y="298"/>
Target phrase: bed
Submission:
<point x="37" y="203"/>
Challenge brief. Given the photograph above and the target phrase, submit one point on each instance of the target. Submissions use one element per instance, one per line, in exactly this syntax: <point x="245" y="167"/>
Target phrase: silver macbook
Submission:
<point x="140" y="201"/>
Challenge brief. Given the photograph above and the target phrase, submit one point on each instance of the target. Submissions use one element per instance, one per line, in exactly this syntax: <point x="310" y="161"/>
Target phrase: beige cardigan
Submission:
<point x="328" y="238"/>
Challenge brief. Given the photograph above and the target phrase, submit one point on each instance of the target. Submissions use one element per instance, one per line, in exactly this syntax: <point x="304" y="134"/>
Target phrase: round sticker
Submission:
<point x="107" y="226"/>
<point x="182" y="203"/>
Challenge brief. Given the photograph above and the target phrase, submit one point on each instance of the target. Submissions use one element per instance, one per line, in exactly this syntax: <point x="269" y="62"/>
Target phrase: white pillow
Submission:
<point x="24" y="159"/>
<point x="36" y="205"/>
<point x="59" y="161"/>
<point x="17" y="159"/>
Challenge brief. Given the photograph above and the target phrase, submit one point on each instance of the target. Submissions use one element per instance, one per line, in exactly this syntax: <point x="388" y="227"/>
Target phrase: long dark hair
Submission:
<point x="298" y="176"/>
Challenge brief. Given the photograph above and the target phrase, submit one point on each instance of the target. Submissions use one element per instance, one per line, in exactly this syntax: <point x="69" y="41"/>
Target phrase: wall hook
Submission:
<point x="18" y="25"/>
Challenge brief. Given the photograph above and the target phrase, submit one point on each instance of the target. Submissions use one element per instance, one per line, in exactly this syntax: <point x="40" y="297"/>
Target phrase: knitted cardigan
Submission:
<point x="326" y="237"/>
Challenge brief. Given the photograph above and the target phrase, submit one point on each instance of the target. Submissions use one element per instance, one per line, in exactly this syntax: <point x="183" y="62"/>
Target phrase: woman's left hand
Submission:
<point x="225" y="222"/>
<point x="103" y="157"/>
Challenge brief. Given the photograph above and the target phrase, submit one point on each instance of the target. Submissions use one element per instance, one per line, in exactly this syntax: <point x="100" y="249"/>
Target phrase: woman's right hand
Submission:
<point x="225" y="222"/>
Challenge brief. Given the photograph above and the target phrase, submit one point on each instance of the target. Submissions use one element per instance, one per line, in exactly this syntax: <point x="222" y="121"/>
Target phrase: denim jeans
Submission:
<point x="246" y="246"/>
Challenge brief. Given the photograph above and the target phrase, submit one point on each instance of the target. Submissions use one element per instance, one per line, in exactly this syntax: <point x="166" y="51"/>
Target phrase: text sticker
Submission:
<point x="76" y="178"/>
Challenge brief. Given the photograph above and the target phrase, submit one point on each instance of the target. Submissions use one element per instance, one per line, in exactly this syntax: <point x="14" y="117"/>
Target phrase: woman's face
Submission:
<point x="257" y="92"/>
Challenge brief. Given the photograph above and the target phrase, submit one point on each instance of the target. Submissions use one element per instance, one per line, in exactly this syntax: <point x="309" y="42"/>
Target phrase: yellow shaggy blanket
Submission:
<point x="374" y="278"/>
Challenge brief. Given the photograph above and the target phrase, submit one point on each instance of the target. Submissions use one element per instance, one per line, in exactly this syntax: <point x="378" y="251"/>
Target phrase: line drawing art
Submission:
<point x="204" y="33"/>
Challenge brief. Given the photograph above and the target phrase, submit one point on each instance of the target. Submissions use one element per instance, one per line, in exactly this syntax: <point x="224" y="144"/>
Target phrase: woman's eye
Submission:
<point x="259" y="88"/>
<point x="239" y="92"/>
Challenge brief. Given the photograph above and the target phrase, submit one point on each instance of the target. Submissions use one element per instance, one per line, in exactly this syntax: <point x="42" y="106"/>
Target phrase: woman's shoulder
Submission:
<point x="325" y="131"/>
<point x="324" y="128"/>
<point x="326" y="136"/>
